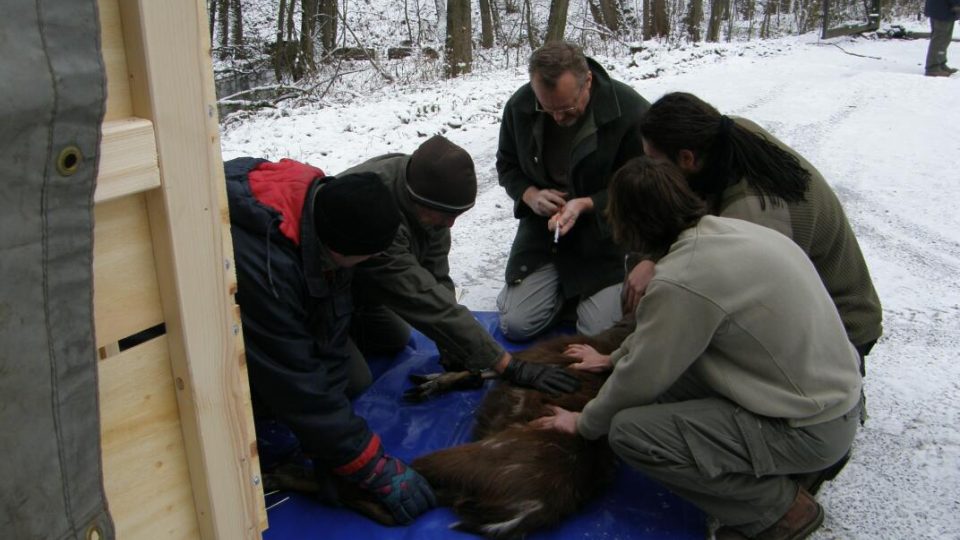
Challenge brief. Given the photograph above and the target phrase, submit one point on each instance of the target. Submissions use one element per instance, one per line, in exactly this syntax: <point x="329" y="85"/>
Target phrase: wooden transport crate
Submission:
<point x="177" y="434"/>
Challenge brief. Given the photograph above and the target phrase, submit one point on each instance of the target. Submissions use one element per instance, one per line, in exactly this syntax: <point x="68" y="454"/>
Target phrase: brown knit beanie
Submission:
<point x="440" y="176"/>
<point x="355" y="214"/>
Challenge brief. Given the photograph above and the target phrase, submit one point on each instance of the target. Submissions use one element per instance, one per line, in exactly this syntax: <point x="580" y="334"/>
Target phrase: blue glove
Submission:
<point x="401" y="489"/>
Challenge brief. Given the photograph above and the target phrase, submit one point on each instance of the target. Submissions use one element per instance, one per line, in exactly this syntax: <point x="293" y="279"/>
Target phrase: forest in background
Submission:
<point x="272" y="52"/>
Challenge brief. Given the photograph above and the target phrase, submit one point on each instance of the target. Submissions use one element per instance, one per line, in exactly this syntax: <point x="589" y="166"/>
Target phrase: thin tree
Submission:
<point x="660" y="26"/>
<point x="236" y="12"/>
<point x="716" y="15"/>
<point x="306" y="62"/>
<point x="459" y="46"/>
<point x="557" y="21"/>
<point x="223" y="14"/>
<point x="527" y="16"/>
<point x="694" y="19"/>
<point x="611" y="14"/>
<point x="327" y="19"/>
<point x="647" y="30"/>
<point x="486" y="24"/>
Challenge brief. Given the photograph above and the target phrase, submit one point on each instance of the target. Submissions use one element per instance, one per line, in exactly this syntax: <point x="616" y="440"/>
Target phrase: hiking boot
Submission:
<point x="950" y="69"/>
<point x="803" y="517"/>
<point x="938" y="71"/>
<point x="812" y="481"/>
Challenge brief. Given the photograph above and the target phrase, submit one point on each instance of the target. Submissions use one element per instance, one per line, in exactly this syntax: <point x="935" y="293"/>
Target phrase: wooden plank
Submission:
<point x="145" y="468"/>
<point x="114" y="61"/>
<point x="128" y="159"/>
<point x="168" y="55"/>
<point x="126" y="296"/>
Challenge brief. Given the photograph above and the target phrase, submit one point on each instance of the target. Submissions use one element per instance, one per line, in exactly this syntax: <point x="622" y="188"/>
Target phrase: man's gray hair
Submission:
<point x="554" y="59"/>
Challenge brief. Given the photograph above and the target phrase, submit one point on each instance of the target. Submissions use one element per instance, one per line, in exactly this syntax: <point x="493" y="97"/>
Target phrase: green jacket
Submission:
<point x="819" y="226"/>
<point x="412" y="278"/>
<point x="741" y="310"/>
<point x="586" y="258"/>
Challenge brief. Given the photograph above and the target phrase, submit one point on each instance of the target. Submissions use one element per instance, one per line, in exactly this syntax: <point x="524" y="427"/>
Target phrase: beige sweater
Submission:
<point x="743" y="308"/>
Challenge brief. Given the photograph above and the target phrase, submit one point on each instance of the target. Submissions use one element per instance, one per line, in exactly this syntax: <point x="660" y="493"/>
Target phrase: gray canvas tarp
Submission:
<point x="52" y="93"/>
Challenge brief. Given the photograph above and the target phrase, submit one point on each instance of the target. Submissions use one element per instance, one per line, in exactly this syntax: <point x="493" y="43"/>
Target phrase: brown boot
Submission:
<point x="803" y="517"/>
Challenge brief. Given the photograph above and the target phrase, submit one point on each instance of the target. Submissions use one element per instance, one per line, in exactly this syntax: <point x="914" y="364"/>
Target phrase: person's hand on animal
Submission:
<point x="636" y="285"/>
<point x="561" y="420"/>
<point x="545" y="378"/>
<point x="589" y="359"/>
<point x="566" y="217"/>
<point x="544" y="202"/>
<point x="399" y="488"/>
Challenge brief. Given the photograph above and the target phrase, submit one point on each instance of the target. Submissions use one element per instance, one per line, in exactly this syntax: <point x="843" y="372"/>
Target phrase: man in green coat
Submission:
<point x="409" y="283"/>
<point x="563" y="135"/>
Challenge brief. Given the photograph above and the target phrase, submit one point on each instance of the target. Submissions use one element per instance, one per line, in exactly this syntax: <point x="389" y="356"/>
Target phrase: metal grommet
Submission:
<point x="68" y="162"/>
<point x="94" y="533"/>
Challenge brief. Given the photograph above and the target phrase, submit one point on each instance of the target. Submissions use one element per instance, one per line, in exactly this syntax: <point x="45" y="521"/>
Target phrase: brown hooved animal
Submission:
<point x="514" y="479"/>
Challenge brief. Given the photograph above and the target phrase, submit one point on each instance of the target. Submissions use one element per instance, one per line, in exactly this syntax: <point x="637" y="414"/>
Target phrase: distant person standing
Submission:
<point x="942" y="14"/>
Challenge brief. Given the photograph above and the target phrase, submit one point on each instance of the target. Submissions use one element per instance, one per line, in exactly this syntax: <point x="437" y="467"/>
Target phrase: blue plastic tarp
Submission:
<point x="632" y="508"/>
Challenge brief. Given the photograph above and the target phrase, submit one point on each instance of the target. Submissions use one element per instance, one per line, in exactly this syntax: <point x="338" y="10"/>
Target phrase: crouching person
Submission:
<point x="297" y="236"/>
<point x="739" y="377"/>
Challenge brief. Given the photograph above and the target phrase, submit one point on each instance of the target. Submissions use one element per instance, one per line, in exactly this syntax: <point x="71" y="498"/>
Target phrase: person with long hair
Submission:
<point x="742" y="171"/>
<point x="738" y="376"/>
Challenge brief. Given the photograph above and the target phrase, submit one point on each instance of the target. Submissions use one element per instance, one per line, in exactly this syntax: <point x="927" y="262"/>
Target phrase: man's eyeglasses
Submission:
<point x="539" y="108"/>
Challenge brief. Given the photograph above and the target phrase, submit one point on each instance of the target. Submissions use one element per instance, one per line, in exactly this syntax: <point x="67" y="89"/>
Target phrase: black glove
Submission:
<point x="401" y="489"/>
<point x="546" y="378"/>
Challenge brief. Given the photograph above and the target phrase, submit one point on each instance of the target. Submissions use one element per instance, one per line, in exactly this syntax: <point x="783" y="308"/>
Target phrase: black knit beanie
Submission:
<point x="440" y="176"/>
<point x="355" y="214"/>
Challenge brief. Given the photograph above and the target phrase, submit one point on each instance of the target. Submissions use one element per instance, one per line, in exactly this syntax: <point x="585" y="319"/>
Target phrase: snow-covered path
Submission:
<point x="885" y="137"/>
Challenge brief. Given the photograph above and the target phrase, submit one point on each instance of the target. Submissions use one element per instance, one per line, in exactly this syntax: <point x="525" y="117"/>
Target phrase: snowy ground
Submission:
<point x="888" y="140"/>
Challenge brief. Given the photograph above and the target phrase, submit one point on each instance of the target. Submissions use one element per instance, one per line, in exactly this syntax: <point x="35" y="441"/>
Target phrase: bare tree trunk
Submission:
<point x="661" y="24"/>
<point x="497" y="24"/>
<point x="557" y="22"/>
<point x="612" y="14"/>
<point x="751" y="11"/>
<point x="694" y="19"/>
<point x="731" y="17"/>
<point x="406" y="19"/>
<point x="237" y="26"/>
<point x="486" y="24"/>
<point x="291" y="7"/>
<point x="327" y="19"/>
<point x="716" y="15"/>
<point x="306" y="63"/>
<point x="532" y="37"/>
<point x="212" y="13"/>
<point x="647" y="19"/>
<point x="223" y="13"/>
<point x="459" y="45"/>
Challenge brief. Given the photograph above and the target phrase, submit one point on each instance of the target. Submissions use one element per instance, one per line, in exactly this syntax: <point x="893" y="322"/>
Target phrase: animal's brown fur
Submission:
<point x="515" y="479"/>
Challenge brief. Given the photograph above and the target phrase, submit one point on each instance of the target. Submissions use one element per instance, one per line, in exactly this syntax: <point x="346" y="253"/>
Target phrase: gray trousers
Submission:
<point x="731" y="463"/>
<point x="533" y="306"/>
<point x="940" y="34"/>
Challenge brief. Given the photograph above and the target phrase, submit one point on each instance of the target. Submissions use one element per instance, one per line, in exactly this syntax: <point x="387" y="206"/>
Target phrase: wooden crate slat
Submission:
<point x="126" y="297"/>
<point x="128" y="159"/>
<point x="145" y="468"/>
<point x="114" y="61"/>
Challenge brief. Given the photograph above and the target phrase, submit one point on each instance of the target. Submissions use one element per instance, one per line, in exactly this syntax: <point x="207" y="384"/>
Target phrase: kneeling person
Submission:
<point x="739" y="377"/>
